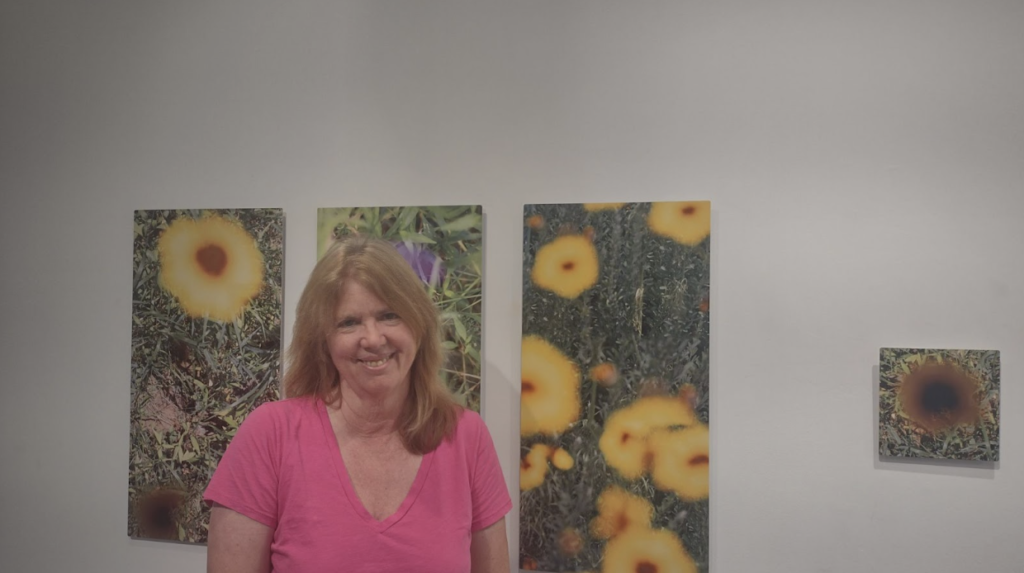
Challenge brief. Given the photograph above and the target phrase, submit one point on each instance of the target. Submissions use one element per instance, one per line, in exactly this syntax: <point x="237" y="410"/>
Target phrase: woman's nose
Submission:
<point x="373" y="335"/>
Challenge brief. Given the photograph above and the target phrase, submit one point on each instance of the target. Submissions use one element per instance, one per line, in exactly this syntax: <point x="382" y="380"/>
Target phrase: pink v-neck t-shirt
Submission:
<point x="284" y="470"/>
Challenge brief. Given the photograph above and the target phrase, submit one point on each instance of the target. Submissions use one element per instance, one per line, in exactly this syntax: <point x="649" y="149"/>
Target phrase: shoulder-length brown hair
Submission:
<point x="430" y="413"/>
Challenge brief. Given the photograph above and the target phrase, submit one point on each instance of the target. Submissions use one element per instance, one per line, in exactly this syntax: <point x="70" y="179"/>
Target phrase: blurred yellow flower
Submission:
<point x="605" y="374"/>
<point x="562" y="459"/>
<point x="570" y="542"/>
<point x="211" y="265"/>
<point x="680" y="461"/>
<point x="591" y="207"/>
<point x="624" y="440"/>
<point x="550" y="401"/>
<point x="620" y="511"/>
<point x="533" y="467"/>
<point x="566" y="266"/>
<point x="647" y="551"/>
<point x="686" y="222"/>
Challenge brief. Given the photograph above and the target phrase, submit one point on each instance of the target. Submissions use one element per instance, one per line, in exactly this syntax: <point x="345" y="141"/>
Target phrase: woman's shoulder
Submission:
<point x="283" y="411"/>
<point x="470" y="426"/>
<point x="468" y="419"/>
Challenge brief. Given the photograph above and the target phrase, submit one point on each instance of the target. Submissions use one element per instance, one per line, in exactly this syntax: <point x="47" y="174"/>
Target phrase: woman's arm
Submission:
<point x="238" y="544"/>
<point x="489" y="549"/>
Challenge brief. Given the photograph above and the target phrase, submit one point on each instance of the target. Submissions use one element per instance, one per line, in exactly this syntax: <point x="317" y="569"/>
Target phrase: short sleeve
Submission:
<point x="491" y="500"/>
<point x="246" y="477"/>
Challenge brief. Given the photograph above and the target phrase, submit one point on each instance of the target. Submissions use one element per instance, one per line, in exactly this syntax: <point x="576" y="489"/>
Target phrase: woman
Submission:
<point x="368" y="465"/>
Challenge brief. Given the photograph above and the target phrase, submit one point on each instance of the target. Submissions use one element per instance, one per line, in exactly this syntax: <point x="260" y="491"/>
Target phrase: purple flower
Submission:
<point x="428" y="266"/>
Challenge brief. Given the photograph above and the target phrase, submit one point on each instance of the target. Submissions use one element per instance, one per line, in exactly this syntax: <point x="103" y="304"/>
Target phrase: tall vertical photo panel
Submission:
<point x="206" y="350"/>
<point x="444" y="245"/>
<point x="614" y="406"/>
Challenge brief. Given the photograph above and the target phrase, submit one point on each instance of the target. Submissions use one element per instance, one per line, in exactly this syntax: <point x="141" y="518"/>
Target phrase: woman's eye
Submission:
<point x="390" y="317"/>
<point x="347" y="323"/>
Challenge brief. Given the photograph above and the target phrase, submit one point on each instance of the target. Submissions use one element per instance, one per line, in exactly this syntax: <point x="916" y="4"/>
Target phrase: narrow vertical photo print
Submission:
<point x="614" y="458"/>
<point x="206" y="350"/>
<point x="444" y="245"/>
<point x="940" y="404"/>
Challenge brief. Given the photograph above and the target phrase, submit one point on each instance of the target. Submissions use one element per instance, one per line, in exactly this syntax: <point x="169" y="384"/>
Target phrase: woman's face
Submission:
<point x="371" y="346"/>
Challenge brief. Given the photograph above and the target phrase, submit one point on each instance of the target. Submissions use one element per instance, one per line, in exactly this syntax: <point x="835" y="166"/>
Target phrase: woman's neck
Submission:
<point x="367" y="416"/>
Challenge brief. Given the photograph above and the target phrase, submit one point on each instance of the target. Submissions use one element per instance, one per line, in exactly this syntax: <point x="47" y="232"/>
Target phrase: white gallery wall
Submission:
<point x="865" y="163"/>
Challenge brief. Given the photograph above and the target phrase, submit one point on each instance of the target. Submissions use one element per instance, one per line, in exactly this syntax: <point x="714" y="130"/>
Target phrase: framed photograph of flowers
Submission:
<point x="939" y="404"/>
<point x="206" y="350"/>
<point x="614" y="404"/>
<point x="444" y="245"/>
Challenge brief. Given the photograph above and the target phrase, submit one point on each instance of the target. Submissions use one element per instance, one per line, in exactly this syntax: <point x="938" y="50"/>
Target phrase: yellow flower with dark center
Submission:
<point x="686" y="222"/>
<point x="680" y="461"/>
<point x="566" y="266"/>
<point x="939" y="395"/>
<point x="592" y="207"/>
<point x="550" y="401"/>
<point x="562" y="459"/>
<point x="624" y="440"/>
<point x="647" y="551"/>
<point x="211" y="265"/>
<point x="620" y="511"/>
<point x="533" y="467"/>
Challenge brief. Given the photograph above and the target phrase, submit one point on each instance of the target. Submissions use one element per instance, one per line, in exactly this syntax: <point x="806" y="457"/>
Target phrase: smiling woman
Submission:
<point x="371" y="346"/>
<point x="370" y="446"/>
<point x="377" y="269"/>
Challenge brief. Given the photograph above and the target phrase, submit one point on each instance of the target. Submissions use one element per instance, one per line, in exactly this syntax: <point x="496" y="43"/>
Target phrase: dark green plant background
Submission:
<point x="899" y="437"/>
<point x="194" y="380"/>
<point x="644" y="315"/>
<point x="455" y="234"/>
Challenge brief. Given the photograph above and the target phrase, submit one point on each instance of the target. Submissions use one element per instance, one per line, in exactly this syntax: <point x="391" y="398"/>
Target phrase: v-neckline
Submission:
<point x="350" y="490"/>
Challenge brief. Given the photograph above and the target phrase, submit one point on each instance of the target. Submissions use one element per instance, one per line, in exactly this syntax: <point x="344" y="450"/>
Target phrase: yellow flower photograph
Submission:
<point x="686" y="222"/>
<point x="620" y="511"/>
<point x="647" y="551"/>
<point x="211" y="265"/>
<point x="594" y="207"/>
<point x="570" y="542"/>
<point x="624" y="440"/>
<point x="206" y="351"/>
<point x="605" y="374"/>
<point x="680" y="461"/>
<point x="550" y="400"/>
<point x="615" y="378"/>
<point x="533" y="467"/>
<point x="566" y="266"/>
<point x="562" y="459"/>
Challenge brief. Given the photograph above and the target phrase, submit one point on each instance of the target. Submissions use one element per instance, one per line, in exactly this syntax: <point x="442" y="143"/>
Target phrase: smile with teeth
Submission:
<point x="376" y="363"/>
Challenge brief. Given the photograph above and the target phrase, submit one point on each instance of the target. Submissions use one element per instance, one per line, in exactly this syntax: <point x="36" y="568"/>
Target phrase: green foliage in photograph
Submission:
<point x="444" y="245"/>
<point x="206" y="350"/>
<point x="615" y="372"/>
<point x="940" y="404"/>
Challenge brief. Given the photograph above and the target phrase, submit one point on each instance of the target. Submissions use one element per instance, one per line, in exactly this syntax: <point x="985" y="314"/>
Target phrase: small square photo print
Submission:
<point x="940" y="404"/>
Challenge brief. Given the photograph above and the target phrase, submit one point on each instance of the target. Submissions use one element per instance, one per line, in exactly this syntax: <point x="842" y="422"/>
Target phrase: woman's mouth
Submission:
<point x="376" y="363"/>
